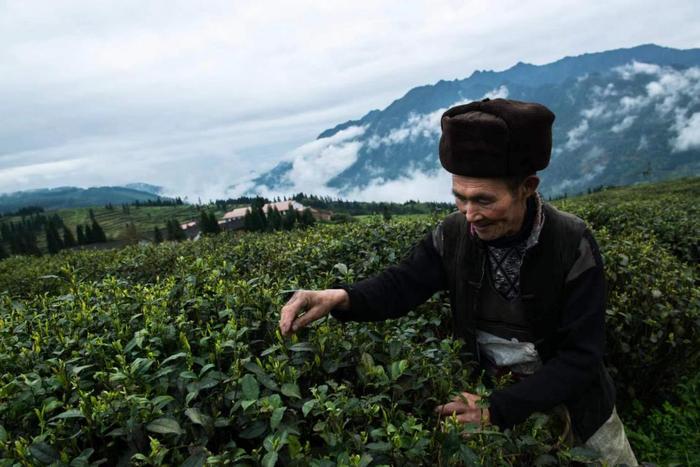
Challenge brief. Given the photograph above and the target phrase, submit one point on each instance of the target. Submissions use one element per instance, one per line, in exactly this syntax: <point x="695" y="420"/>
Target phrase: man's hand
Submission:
<point x="465" y="407"/>
<point x="315" y="303"/>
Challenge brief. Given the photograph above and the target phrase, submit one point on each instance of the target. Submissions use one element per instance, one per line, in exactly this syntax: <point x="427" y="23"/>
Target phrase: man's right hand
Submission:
<point x="314" y="304"/>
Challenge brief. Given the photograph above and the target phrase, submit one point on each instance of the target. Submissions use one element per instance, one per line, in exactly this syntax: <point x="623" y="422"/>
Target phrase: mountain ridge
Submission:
<point x="400" y="141"/>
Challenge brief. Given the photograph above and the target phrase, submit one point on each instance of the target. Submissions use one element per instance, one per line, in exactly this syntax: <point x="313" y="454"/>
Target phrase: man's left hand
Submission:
<point x="465" y="407"/>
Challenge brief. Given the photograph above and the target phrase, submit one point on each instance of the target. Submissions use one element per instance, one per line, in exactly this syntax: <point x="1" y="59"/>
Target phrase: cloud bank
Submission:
<point x="195" y="96"/>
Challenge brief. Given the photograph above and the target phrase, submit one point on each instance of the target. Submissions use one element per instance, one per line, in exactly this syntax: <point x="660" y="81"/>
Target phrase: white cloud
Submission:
<point x="316" y="162"/>
<point x="688" y="133"/>
<point x="591" y="165"/>
<point x="635" y="68"/>
<point x="598" y="110"/>
<point x="170" y="78"/>
<point x="668" y="91"/>
<point x="576" y="136"/>
<point x="624" y="124"/>
<point x="643" y="143"/>
<point x="426" y="125"/>
<point x="500" y="92"/>
<point x="416" y="185"/>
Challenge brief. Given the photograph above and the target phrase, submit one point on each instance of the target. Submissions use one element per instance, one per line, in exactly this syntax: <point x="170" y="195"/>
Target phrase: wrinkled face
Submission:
<point x="489" y="205"/>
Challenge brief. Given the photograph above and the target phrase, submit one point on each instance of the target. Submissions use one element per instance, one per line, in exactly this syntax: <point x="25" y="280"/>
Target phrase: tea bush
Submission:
<point x="170" y="354"/>
<point x="670" y="434"/>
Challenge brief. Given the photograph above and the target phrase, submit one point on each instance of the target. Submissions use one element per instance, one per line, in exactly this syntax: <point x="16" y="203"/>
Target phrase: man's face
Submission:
<point x="489" y="205"/>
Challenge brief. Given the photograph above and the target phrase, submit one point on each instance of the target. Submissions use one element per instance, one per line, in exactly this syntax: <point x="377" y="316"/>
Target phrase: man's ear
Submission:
<point x="530" y="185"/>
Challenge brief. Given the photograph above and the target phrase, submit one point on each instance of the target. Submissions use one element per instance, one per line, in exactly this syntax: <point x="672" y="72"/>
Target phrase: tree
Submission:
<point x="157" y="235"/>
<point x="290" y="218"/>
<point x="28" y="244"/>
<point x="175" y="232"/>
<point x="68" y="238"/>
<point x="53" y="240"/>
<point x="208" y="223"/>
<point x="385" y="212"/>
<point x="259" y="219"/>
<point x="204" y="222"/>
<point x="80" y="233"/>
<point x="130" y="234"/>
<point x="274" y="218"/>
<point x="307" y="218"/>
<point x="248" y="221"/>
<point x="3" y="253"/>
<point x="89" y="237"/>
<point x="97" y="233"/>
<point x="214" y="223"/>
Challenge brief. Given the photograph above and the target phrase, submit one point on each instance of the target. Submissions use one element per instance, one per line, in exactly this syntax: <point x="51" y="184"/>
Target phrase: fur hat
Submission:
<point x="496" y="138"/>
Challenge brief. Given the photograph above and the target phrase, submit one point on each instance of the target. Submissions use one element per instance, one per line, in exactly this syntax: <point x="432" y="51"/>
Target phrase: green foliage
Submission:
<point x="653" y="316"/>
<point x="157" y="235"/>
<point x="53" y="239"/>
<point x="670" y="434"/>
<point x="170" y="354"/>
<point x="68" y="238"/>
<point x="668" y="211"/>
<point x="207" y="223"/>
<point x="174" y="231"/>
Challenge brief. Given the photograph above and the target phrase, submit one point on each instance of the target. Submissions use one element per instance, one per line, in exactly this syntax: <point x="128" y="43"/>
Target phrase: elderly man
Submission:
<point x="526" y="282"/>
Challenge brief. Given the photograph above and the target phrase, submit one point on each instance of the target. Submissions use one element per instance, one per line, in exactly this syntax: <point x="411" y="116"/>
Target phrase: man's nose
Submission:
<point x="471" y="210"/>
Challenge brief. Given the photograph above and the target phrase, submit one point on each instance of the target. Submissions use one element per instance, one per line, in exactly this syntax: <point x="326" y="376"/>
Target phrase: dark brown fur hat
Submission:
<point x="496" y="138"/>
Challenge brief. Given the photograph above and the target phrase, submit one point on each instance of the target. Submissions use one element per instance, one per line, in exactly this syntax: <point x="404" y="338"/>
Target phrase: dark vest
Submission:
<point x="542" y="278"/>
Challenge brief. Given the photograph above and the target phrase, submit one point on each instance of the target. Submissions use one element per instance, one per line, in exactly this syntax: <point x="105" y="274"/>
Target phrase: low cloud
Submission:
<point x="425" y="125"/>
<point x="576" y="136"/>
<point x="592" y="164"/>
<point x="416" y="185"/>
<point x="624" y="124"/>
<point x="669" y="92"/>
<point x="630" y="70"/>
<point x="500" y="92"/>
<point x="688" y="133"/>
<point x="312" y="165"/>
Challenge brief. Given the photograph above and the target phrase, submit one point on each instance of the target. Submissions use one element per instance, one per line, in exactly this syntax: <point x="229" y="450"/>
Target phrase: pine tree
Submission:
<point x="274" y="219"/>
<point x="214" y="223"/>
<point x="307" y="218"/>
<point x="53" y="240"/>
<point x="208" y="223"/>
<point x="130" y="233"/>
<point x="385" y="212"/>
<point x="3" y="253"/>
<point x="80" y="233"/>
<point x="29" y="245"/>
<point x="97" y="233"/>
<point x="248" y="221"/>
<point x="89" y="236"/>
<point x="175" y="232"/>
<point x="204" y="226"/>
<point x="5" y="231"/>
<point x="68" y="238"/>
<point x="169" y="232"/>
<point x="157" y="235"/>
<point x="289" y="218"/>
<point x="259" y="219"/>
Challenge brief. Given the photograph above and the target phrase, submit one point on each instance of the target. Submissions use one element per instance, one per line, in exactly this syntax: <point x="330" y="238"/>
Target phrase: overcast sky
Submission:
<point x="195" y="95"/>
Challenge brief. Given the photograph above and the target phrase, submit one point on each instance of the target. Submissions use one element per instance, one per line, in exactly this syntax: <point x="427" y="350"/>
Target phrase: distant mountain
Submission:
<point x="622" y="116"/>
<point x="147" y="187"/>
<point x="71" y="197"/>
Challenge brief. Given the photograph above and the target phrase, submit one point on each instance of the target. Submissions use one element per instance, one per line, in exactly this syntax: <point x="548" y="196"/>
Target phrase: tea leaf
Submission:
<point x="165" y="426"/>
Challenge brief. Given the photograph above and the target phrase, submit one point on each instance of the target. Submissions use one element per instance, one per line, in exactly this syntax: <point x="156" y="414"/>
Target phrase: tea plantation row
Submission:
<point x="170" y="354"/>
